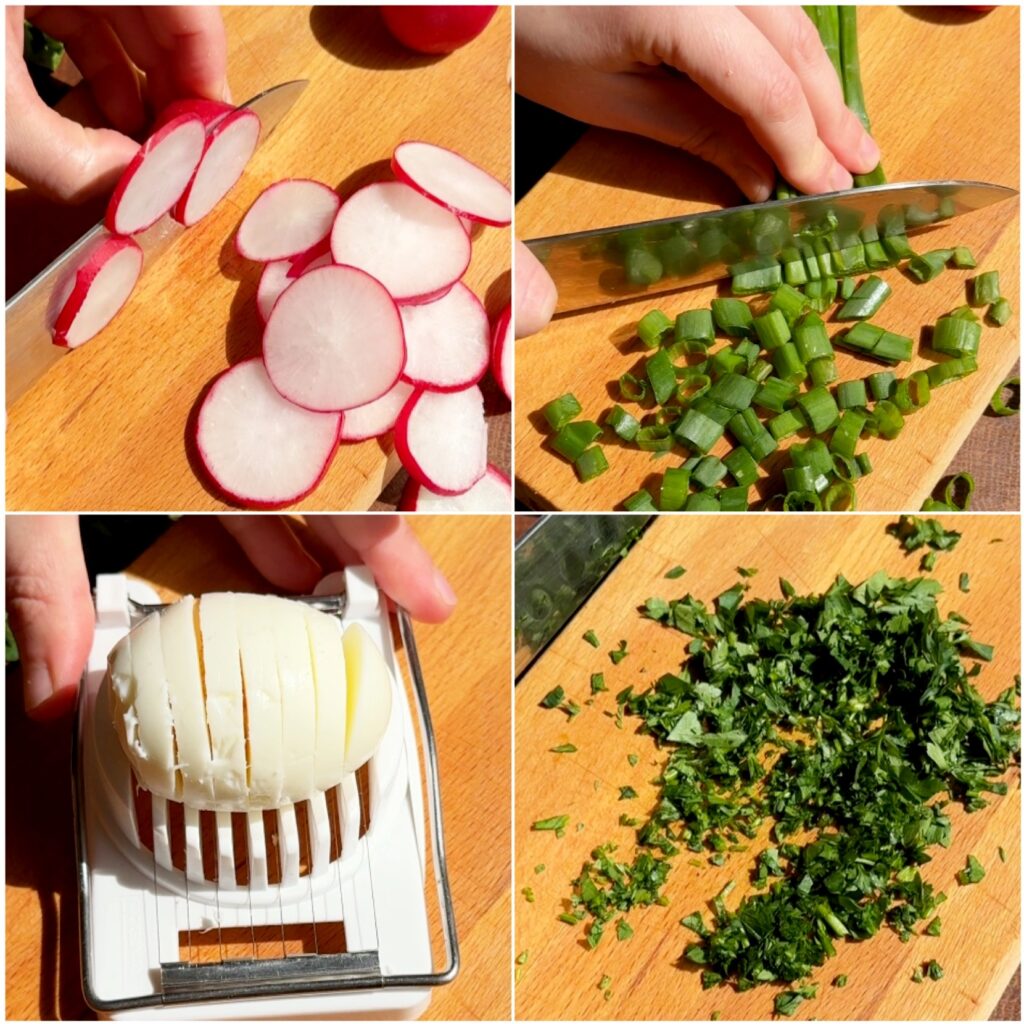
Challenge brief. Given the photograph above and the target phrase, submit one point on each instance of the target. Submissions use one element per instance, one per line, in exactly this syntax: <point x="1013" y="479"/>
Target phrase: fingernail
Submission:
<point x="38" y="686"/>
<point x="840" y="178"/>
<point x="869" y="152"/>
<point x="757" y="189"/>
<point x="227" y="94"/>
<point x="444" y="589"/>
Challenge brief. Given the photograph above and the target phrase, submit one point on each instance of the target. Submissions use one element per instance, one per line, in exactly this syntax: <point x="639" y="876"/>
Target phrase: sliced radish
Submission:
<point x="453" y="181"/>
<point x="90" y="294"/>
<point x="287" y="218"/>
<point x="501" y="351"/>
<point x="376" y="418"/>
<point x="155" y="179"/>
<point x="416" y="249"/>
<point x="441" y="439"/>
<point x="448" y="341"/>
<point x="334" y="340"/>
<point x="208" y="111"/>
<point x="278" y="274"/>
<point x="491" y="493"/>
<point x="260" y="449"/>
<point x="229" y="145"/>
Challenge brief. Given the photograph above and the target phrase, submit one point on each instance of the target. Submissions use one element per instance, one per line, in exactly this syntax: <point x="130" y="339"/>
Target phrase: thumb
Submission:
<point x="50" y="609"/>
<point x="535" y="294"/>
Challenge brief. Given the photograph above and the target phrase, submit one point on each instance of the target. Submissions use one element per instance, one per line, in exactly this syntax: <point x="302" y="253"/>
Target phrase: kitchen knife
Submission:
<point x="30" y="350"/>
<point x="608" y="265"/>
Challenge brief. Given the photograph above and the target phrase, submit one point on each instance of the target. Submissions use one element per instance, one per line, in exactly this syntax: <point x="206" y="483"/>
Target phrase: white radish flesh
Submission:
<point x="155" y="179"/>
<point x="277" y="275"/>
<point x="260" y="449"/>
<point x="441" y="439"/>
<point x="334" y="340"/>
<point x="287" y="218"/>
<point x="90" y="295"/>
<point x="369" y="696"/>
<point x="501" y="352"/>
<point x="491" y="493"/>
<point x="378" y="417"/>
<point x="453" y="182"/>
<point x="448" y="341"/>
<point x="415" y="248"/>
<point x="229" y="145"/>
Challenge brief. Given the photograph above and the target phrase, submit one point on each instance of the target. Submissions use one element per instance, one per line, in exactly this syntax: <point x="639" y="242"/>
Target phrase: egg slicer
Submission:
<point x="312" y="910"/>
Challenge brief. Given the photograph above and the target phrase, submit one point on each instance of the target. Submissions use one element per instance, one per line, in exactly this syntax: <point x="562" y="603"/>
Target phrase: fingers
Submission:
<point x="50" y="609"/>
<point x="387" y="546"/>
<point x="535" y="294"/>
<point x="275" y="552"/>
<point x="796" y="39"/>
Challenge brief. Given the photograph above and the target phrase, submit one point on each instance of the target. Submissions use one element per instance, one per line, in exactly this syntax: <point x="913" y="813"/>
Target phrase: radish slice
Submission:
<point x="92" y="292"/>
<point x="155" y="179"/>
<point x="491" y="493"/>
<point x="416" y="249"/>
<point x="376" y="418"/>
<point x="441" y="439"/>
<point x="448" y="343"/>
<point x="453" y="182"/>
<point x="278" y="274"/>
<point x="287" y="218"/>
<point x="334" y="340"/>
<point x="229" y="145"/>
<point x="208" y="111"/>
<point x="259" y="449"/>
<point x="501" y="352"/>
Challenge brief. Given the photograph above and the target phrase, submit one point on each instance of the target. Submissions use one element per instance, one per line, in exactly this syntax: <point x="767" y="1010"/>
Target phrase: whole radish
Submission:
<point x="436" y="29"/>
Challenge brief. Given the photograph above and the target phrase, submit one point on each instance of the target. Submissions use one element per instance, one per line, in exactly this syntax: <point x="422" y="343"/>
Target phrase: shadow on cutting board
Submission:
<point x="357" y="35"/>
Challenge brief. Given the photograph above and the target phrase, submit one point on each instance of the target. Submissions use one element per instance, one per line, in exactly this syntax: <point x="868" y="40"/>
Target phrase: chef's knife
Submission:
<point x="30" y="350"/>
<point x="608" y="265"/>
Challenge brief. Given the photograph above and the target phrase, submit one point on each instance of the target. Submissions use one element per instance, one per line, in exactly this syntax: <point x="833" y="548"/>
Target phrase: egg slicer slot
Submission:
<point x="332" y="891"/>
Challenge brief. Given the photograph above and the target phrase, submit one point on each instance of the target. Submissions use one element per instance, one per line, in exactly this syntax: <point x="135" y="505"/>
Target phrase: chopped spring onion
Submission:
<point x="790" y="302"/>
<point x="642" y="267"/>
<point x="823" y="371"/>
<point x="624" y="425"/>
<point x="929" y="265"/>
<point x="803" y="479"/>
<point x="999" y="312"/>
<point x="575" y="438"/>
<point x="772" y="329"/>
<point x="727" y="360"/>
<point x="760" y="371"/>
<point x="786" y="424"/>
<point x="695" y="329"/>
<point x="732" y="317"/>
<point x="815" y="455"/>
<point x="1001" y="408"/>
<point x="692" y="387"/>
<point x="752" y="434"/>
<point x="882" y="384"/>
<point x="662" y="376"/>
<point x="862" y="336"/>
<point x="893" y="348"/>
<point x="819" y="408"/>
<point x="702" y="501"/>
<point x="631" y="388"/>
<point x="675" y="486"/>
<point x="985" y="288"/>
<point x="853" y="394"/>
<point x="740" y="463"/>
<point x="733" y="391"/>
<point x="952" y="369"/>
<point x="639" y="502"/>
<point x="801" y="501"/>
<point x="733" y="499"/>
<point x="847" y="286"/>
<point x="761" y="274"/>
<point x="653" y="327"/>
<point x="811" y="339"/>
<point x="959" y="492"/>
<point x="871" y="293"/>
<point x="655" y="438"/>
<point x="560" y="411"/>
<point x="888" y="419"/>
<point x="748" y="350"/>
<point x="709" y="471"/>
<point x="840" y="497"/>
<point x="847" y="433"/>
<point x="963" y="258"/>
<point x="787" y="363"/>
<point x="897" y="247"/>
<point x="822" y="294"/>
<point x="955" y="336"/>
<point x="698" y="431"/>
<point x="591" y="463"/>
<point x="913" y="392"/>
<point x="775" y="394"/>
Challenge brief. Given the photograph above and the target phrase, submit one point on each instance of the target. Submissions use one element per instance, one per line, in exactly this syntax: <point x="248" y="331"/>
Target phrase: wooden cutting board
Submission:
<point x="106" y="427"/>
<point x="467" y="678"/>
<point x="924" y="78"/>
<point x="980" y="943"/>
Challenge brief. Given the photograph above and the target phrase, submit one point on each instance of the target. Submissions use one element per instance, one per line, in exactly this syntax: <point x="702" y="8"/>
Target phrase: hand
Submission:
<point x="181" y="50"/>
<point x="746" y="88"/>
<point x="51" y="610"/>
<point x="535" y="294"/>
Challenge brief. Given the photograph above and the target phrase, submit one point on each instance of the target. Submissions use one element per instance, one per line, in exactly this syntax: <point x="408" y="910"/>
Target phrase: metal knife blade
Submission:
<point x="30" y="351"/>
<point x="609" y="265"/>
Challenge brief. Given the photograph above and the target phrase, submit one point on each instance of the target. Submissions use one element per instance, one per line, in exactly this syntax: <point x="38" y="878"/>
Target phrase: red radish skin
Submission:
<point x="287" y="218"/>
<point x="501" y="352"/>
<point x="452" y="181"/>
<point x="278" y="274"/>
<point x="491" y="493"/>
<point x="208" y="111"/>
<point x="259" y="449"/>
<point x="441" y="439"/>
<point x="157" y="175"/>
<point x="229" y="146"/>
<point x="436" y="29"/>
<point x="376" y="418"/>
<point x="334" y="340"/>
<point x="92" y="293"/>
<point x="447" y="341"/>
<point x="414" y="247"/>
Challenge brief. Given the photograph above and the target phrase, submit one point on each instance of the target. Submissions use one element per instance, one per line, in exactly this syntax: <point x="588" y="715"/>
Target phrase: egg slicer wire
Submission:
<point x="144" y="885"/>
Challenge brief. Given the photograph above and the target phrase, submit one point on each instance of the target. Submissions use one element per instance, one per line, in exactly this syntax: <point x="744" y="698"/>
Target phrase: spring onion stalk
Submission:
<point x="893" y="348"/>
<point x="874" y="251"/>
<point x="733" y="499"/>
<point x="811" y="339"/>
<point x="963" y="258"/>
<point x="824" y="257"/>
<point x="698" y="431"/>
<point x="742" y="467"/>
<point x="788" y="364"/>
<point x="794" y="271"/>
<point x="695" y="330"/>
<point x="801" y="501"/>
<point x="575" y="438"/>
<point x="912" y="393"/>
<point x="775" y="394"/>
<point x="853" y="92"/>
<point x="760" y="371"/>
<point x="819" y="409"/>
<point x="751" y="277"/>
<point x="822" y="371"/>
<point x="952" y="369"/>
<point x="752" y="434"/>
<point x="1001" y="408"/>
<point x="882" y="384"/>
<point x="748" y="351"/>
<point x="786" y="424"/>
<point x="790" y="302"/>
<point x="871" y="293"/>
<point x="954" y="336"/>
<point x="821" y="295"/>
<point x="888" y="419"/>
<point x="863" y="461"/>
<point x="702" y="501"/>
<point x="853" y="394"/>
<point x="772" y="329"/>
<point x="642" y="267"/>
<point x="897" y="247"/>
<point x="814" y="454"/>
<point x="641" y="501"/>
<point x="929" y="265"/>
<point x="810" y="261"/>
<point x="668" y="415"/>
<point x="693" y="387"/>
<point x="562" y="410"/>
<point x="847" y="286"/>
<point x="662" y="376"/>
<point x="655" y="438"/>
<point x="984" y="288"/>
<point x="709" y="471"/>
<point x="653" y="327"/>
<point x="850" y="257"/>
<point x="840" y="497"/>
<point x="965" y="313"/>
<point x="632" y="389"/>
<point x="675" y="485"/>
<point x="847" y="433"/>
<point x="591" y="463"/>
<point x="732" y="317"/>
<point x="727" y="360"/>
<point x="624" y="425"/>
<point x="846" y="468"/>
<point x="719" y="413"/>
<point x="862" y="337"/>
<point x="959" y="491"/>
<point x="733" y="391"/>
<point x="999" y="312"/>
<point x="801" y="479"/>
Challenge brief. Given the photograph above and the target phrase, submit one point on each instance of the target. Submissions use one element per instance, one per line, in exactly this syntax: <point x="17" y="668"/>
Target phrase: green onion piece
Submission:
<point x="742" y="466"/>
<point x="882" y="384"/>
<point x="642" y="267"/>
<point x="813" y="454"/>
<point x="709" y="471"/>
<point x="822" y="371"/>
<point x="667" y="416"/>
<point x="692" y="387"/>
<point x="888" y="418"/>
<point x="794" y="271"/>
<point x="732" y="317"/>
<point x="727" y="360"/>
<point x="824" y="257"/>
<point x="863" y="461"/>
<point x="752" y="434"/>
<point x="963" y="258"/>
<point x="847" y="433"/>
<point x="1001" y="408"/>
<point x="675" y="485"/>
<point x="847" y="286"/>
<point x="999" y="312"/>
<point x="846" y="468"/>
<point x="852" y="394"/>
<point x="801" y="501"/>
<point x="695" y="328"/>
<point x="760" y="371"/>
<point x="984" y="288"/>
<point x="862" y="337"/>
<point x="775" y="394"/>
<point x="560" y="411"/>
<point x="653" y="327"/>
<point x="956" y="337"/>
<point x="748" y="350"/>
<point x="913" y="393"/>
<point x="656" y="438"/>
<point x="810" y="261"/>
<point x="811" y="339"/>
<point x="788" y="364"/>
<point x="575" y="438"/>
<point x="819" y="408"/>
<point x="624" y="425"/>
<point x="786" y="424"/>
<point x="632" y="389"/>
<point x="800" y="479"/>
<point x="893" y="348"/>
<point x="959" y="491"/>
<point x="591" y="463"/>
<point x="788" y="301"/>
<point x="662" y="376"/>
<point x="733" y="499"/>
<point x="702" y="501"/>
<point x="840" y="497"/>
<point x="929" y="265"/>
<point x="719" y="413"/>
<point x="733" y="391"/>
<point x="761" y="274"/>
<point x="965" y="313"/>
<point x="874" y="252"/>
<point x="897" y="247"/>
<point x="772" y="329"/>
<point x="871" y="293"/>
<point x="555" y="824"/>
<point x="952" y="369"/>
<point x="698" y="431"/>
<point x="821" y="294"/>
<point x="639" y="502"/>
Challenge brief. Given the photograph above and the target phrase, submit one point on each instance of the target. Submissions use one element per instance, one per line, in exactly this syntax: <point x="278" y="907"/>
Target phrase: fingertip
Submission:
<point x="535" y="293"/>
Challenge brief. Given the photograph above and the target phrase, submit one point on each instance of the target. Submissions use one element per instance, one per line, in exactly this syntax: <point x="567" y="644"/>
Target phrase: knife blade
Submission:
<point x="30" y="350"/>
<point x="609" y="265"/>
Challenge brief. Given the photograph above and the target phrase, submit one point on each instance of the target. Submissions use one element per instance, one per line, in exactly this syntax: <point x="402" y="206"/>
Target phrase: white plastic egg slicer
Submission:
<point x="312" y="910"/>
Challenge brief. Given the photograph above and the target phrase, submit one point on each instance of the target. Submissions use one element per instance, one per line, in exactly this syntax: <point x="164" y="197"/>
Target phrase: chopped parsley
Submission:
<point x="839" y="981"/>
<point x="556" y="824"/>
<point x="597" y="683"/>
<point x="564" y="748"/>
<point x="627" y="793"/>
<point x="973" y="873"/>
<point x="675" y="572"/>
<point x="591" y="637"/>
<point x="623" y="930"/>
<point x="619" y="654"/>
<point x="965" y="583"/>
<point x="787" y="1003"/>
<point x="633" y="759"/>
<point x="553" y="698"/>
<point x="528" y="894"/>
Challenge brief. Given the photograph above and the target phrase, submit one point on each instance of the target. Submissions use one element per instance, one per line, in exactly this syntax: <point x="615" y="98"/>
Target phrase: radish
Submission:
<point x="453" y="182"/>
<point x="157" y="175"/>
<point x="376" y="418"/>
<point x="501" y="352"/>
<point x="441" y="439"/>
<point x="260" y="449"/>
<point x="447" y="341"/>
<point x="229" y="145"/>
<point x="208" y="111"/>
<point x="334" y="340"/>
<point x="278" y="274"/>
<point x="91" y="293"/>
<point x="491" y="493"/>
<point x="436" y="28"/>
<point x="416" y="249"/>
<point x="286" y="219"/>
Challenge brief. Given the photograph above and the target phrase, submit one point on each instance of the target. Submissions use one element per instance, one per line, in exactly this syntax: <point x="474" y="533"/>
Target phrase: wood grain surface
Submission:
<point x="980" y="943"/>
<point x="466" y="671"/>
<point x="925" y="116"/>
<point x="109" y="426"/>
